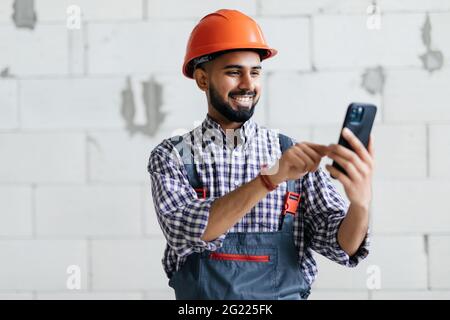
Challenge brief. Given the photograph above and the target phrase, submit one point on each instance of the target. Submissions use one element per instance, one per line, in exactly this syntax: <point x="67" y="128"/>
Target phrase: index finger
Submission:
<point x="370" y="146"/>
<point x="319" y="148"/>
<point x="356" y="144"/>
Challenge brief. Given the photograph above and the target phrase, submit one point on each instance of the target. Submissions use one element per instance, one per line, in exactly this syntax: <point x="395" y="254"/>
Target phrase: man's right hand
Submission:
<point x="298" y="160"/>
<point x="293" y="164"/>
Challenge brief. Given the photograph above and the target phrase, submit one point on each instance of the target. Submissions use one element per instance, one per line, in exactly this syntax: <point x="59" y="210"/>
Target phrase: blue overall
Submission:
<point x="250" y="266"/>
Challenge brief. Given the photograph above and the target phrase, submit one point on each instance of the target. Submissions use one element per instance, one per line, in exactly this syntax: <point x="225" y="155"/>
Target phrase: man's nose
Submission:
<point x="247" y="82"/>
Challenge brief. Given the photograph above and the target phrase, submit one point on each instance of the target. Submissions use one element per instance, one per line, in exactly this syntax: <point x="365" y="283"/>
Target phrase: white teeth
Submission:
<point x="243" y="98"/>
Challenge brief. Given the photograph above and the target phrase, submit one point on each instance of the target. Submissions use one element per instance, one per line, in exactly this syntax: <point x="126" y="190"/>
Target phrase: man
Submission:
<point x="242" y="218"/>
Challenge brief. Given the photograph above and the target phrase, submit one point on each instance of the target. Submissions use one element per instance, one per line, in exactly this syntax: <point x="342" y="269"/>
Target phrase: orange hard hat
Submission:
<point x="221" y="31"/>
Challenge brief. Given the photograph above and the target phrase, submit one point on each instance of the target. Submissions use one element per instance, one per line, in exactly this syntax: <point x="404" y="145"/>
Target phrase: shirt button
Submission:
<point x="236" y="183"/>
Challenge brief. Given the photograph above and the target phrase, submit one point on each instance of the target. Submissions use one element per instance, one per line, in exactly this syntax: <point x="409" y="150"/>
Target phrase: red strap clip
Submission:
<point x="201" y="193"/>
<point x="291" y="202"/>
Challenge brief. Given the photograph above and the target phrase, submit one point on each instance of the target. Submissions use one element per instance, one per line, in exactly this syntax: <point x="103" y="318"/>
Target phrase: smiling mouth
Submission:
<point x="242" y="100"/>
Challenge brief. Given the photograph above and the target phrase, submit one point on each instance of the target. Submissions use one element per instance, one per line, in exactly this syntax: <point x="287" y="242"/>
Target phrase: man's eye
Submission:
<point x="233" y="72"/>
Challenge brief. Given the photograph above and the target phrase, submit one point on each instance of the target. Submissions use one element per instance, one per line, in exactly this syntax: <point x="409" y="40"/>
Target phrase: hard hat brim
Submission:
<point x="188" y="68"/>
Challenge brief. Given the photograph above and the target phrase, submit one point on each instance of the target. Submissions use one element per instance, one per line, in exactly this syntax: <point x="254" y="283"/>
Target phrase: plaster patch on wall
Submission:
<point x="5" y="73"/>
<point x="92" y="141"/>
<point x="24" y="15"/>
<point x="152" y="103"/>
<point x="432" y="59"/>
<point x="152" y="95"/>
<point x="128" y="107"/>
<point x="373" y="80"/>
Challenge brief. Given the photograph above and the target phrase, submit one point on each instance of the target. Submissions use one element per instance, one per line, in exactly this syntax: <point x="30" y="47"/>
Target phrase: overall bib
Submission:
<point x="248" y="266"/>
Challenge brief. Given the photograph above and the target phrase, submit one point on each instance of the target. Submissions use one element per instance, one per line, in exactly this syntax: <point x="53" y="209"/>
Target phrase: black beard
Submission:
<point x="224" y="108"/>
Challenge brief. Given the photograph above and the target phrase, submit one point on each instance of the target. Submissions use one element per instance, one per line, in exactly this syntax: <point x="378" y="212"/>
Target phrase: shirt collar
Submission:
<point x="245" y="132"/>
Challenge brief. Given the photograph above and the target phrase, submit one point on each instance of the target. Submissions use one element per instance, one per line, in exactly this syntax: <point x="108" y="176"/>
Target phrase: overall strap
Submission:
<point x="188" y="161"/>
<point x="292" y="198"/>
<point x="286" y="143"/>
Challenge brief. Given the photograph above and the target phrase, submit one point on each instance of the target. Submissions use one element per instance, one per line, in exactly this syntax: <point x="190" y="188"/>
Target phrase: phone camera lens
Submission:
<point x="356" y="114"/>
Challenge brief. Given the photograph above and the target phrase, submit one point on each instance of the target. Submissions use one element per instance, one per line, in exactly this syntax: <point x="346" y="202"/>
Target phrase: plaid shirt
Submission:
<point x="183" y="217"/>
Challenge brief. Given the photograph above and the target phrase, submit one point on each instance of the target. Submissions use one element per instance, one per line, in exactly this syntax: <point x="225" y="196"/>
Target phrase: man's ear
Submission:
<point x="201" y="78"/>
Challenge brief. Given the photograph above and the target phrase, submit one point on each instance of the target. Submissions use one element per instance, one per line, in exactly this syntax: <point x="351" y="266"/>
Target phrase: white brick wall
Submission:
<point x="114" y="158"/>
<point x="88" y="211"/>
<point x="338" y="295"/>
<point x="333" y="276"/>
<point x="8" y="102"/>
<point x="16" y="296"/>
<point x="294" y="7"/>
<point x="112" y="47"/>
<point x="42" y="157"/>
<point x="6" y="10"/>
<point x="173" y="9"/>
<point x="16" y="205"/>
<point x="74" y="187"/>
<point x="314" y="98"/>
<point x="56" y="10"/>
<point x="91" y="296"/>
<point x="76" y="57"/>
<point x="440" y="25"/>
<point x="414" y="5"/>
<point x="166" y="294"/>
<point x="410" y="206"/>
<point x="439" y="247"/>
<point x="401" y="261"/>
<point x="439" y="139"/>
<point x="72" y="104"/>
<point x="401" y="151"/>
<point x="128" y="265"/>
<point x="343" y="41"/>
<point x="292" y="55"/>
<point x="416" y="96"/>
<point x="42" y="51"/>
<point x="41" y="264"/>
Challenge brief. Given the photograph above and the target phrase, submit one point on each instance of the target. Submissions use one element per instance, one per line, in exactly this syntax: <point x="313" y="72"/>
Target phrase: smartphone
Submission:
<point x="359" y="119"/>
